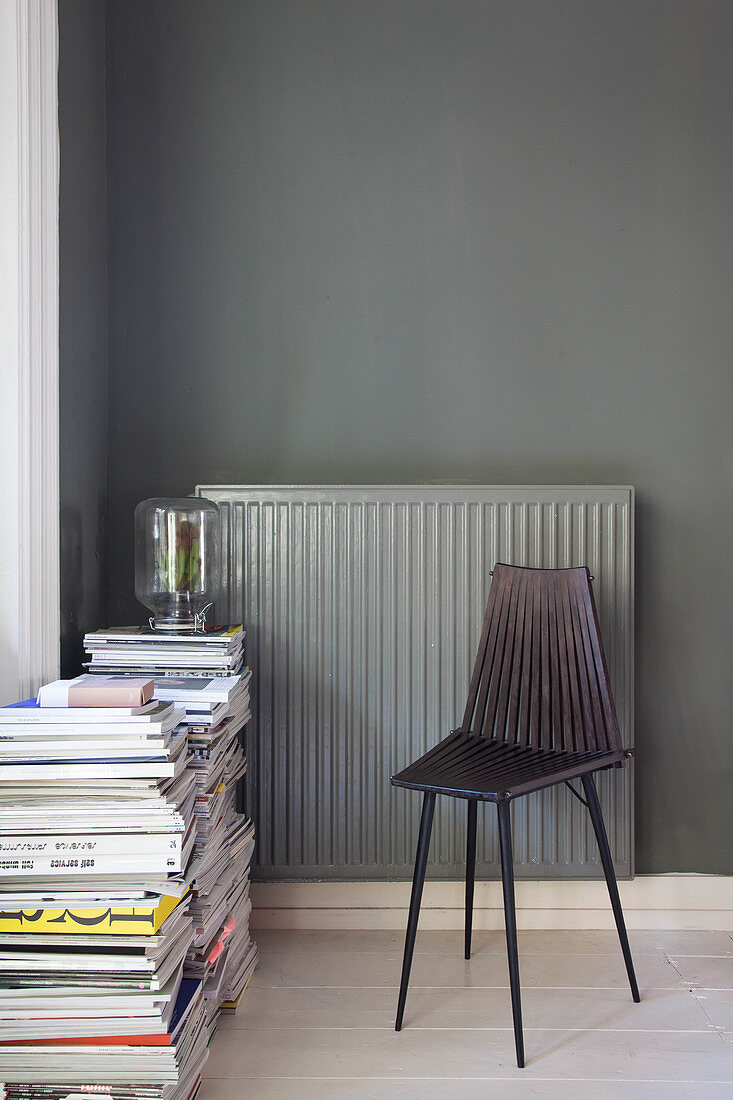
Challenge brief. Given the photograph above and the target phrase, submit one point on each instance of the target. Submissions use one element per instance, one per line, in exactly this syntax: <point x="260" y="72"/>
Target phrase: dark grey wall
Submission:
<point x="444" y="239"/>
<point x="82" y="322"/>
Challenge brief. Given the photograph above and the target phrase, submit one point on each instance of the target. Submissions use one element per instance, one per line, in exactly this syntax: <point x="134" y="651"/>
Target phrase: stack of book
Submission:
<point x="97" y="830"/>
<point x="204" y="674"/>
<point x="138" y="651"/>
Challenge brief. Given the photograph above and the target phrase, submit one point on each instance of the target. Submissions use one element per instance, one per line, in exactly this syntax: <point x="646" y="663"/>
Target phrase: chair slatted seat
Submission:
<point x="467" y="766"/>
<point x="539" y="712"/>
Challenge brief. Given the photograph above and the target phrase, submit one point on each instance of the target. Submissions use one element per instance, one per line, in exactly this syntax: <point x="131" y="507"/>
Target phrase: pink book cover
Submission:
<point x="97" y="691"/>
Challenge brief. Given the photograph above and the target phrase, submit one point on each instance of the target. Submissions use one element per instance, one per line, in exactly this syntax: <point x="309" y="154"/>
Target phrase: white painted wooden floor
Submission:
<point x="317" y="1019"/>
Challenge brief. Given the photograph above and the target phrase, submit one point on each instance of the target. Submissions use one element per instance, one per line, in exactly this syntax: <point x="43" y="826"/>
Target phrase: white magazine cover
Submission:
<point x="199" y="689"/>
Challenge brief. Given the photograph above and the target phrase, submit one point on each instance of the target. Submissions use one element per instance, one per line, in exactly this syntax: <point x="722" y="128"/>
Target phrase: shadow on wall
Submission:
<point x="71" y="592"/>
<point x="82" y="605"/>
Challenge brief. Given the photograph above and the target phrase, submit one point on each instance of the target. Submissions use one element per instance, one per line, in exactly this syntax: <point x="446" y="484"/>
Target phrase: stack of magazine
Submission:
<point x="97" y="835"/>
<point x="138" y="651"/>
<point x="204" y="674"/>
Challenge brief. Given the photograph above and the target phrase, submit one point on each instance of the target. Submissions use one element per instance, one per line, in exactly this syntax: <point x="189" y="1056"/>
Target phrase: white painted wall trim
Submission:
<point x="29" y="409"/>
<point x="649" y="901"/>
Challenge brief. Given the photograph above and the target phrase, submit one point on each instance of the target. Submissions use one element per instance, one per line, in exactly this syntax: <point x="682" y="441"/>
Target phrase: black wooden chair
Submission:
<point x="539" y="712"/>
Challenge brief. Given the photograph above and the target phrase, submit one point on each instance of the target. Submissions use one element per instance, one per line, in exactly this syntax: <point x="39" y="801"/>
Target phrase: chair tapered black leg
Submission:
<point x="418" y="878"/>
<point x="510" y="922"/>
<point x="607" y="861"/>
<point x="470" y="871"/>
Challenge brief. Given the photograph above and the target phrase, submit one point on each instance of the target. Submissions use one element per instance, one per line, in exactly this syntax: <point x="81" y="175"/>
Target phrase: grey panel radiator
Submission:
<point x="363" y="607"/>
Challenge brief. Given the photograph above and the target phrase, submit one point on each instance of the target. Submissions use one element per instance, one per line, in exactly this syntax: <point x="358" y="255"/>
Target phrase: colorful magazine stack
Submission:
<point x="205" y="674"/>
<point x="97" y="830"/>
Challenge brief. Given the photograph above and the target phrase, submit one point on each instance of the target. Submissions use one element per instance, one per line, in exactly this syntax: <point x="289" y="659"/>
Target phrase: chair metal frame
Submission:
<point x="540" y="711"/>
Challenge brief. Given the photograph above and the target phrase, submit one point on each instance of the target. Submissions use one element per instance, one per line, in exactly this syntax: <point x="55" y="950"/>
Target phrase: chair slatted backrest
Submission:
<point x="540" y="677"/>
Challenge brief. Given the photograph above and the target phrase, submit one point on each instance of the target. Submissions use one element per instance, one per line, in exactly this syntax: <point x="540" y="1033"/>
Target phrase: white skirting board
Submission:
<point x="649" y="901"/>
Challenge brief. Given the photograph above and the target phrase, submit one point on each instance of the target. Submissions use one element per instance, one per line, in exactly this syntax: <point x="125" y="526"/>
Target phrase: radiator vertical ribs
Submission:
<point x="363" y="606"/>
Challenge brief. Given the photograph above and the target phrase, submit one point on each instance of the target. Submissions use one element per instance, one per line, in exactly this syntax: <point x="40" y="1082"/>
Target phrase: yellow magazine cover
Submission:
<point x="140" y="920"/>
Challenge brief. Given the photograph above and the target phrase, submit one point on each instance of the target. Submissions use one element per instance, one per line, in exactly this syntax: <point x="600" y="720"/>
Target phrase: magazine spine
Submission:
<point x="77" y="844"/>
<point x="29" y="773"/>
<point x="61" y="865"/>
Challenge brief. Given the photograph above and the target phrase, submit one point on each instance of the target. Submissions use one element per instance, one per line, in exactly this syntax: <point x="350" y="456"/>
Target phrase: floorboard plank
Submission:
<point x="602" y="1009"/>
<point x="455" y="1088"/>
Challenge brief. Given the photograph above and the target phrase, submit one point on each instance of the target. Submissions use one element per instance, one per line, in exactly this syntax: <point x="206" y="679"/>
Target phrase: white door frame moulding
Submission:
<point x="29" y="409"/>
<point x="677" y="902"/>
